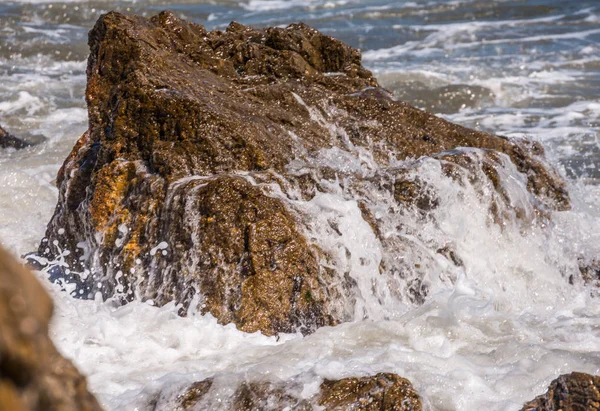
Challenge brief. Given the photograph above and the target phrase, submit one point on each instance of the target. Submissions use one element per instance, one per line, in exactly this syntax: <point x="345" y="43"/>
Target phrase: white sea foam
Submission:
<point x="453" y="36"/>
<point x="490" y="334"/>
<point x="501" y="333"/>
<point x="24" y="102"/>
<point x="269" y="5"/>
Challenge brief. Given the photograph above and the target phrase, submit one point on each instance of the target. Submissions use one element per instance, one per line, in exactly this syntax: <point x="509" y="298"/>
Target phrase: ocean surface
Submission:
<point x="492" y="338"/>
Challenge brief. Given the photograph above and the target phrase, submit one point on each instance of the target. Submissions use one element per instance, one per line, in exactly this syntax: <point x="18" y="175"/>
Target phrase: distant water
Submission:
<point x="510" y="323"/>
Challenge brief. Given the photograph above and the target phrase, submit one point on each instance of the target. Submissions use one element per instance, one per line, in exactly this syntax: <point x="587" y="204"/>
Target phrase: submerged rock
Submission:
<point x="570" y="392"/>
<point x="7" y="140"/>
<point x="33" y="375"/>
<point x="590" y="272"/>
<point x="199" y="145"/>
<point x="384" y="391"/>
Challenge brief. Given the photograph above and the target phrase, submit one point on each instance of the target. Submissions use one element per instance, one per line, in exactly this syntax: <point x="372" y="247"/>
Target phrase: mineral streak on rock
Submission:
<point x="33" y="375"/>
<point x="384" y="391"/>
<point x="183" y="123"/>
<point x="7" y="140"/>
<point x="570" y="392"/>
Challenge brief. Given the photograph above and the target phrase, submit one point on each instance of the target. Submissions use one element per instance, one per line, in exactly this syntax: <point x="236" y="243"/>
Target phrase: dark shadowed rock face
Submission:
<point x="571" y="392"/>
<point x="383" y="391"/>
<point x="33" y="375"/>
<point x="7" y="140"/>
<point x="160" y="199"/>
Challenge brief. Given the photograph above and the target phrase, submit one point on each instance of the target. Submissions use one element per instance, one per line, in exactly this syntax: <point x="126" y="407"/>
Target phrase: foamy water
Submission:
<point x="492" y="332"/>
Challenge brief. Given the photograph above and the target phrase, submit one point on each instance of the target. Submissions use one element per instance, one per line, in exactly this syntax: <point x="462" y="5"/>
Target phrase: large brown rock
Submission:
<point x="191" y="135"/>
<point x="570" y="392"/>
<point x="33" y="375"/>
<point x="383" y="391"/>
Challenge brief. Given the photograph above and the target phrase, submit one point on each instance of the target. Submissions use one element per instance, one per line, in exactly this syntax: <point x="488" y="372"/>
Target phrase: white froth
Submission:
<point x="271" y="5"/>
<point x="490" y="335"/>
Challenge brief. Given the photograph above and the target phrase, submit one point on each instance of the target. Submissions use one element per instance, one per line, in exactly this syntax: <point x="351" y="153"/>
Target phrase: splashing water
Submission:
<point x="466" y="293"/>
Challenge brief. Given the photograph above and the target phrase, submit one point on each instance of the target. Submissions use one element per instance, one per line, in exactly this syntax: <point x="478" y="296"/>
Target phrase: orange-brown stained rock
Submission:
<point x="256" y="270"/>
<point x="171" y="104"/>
<point x="111" y="189"/>
<point x="570" y="392"/>
<point x="33" y="375"/>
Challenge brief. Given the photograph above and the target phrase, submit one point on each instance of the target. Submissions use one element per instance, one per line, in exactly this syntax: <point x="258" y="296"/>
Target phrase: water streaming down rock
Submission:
<point x="383" y="230"/>
<point x="495" y="338"/>
<point x="33" y="375"/>
<point x="228" y="170"/>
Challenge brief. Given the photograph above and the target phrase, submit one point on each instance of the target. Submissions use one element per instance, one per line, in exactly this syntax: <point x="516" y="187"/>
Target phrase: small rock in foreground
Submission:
<point x="33" y="375"/>
<point x="383" y="391"/>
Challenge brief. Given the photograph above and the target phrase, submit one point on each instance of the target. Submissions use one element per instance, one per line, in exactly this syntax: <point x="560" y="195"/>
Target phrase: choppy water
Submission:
<point x="493" y="337"/>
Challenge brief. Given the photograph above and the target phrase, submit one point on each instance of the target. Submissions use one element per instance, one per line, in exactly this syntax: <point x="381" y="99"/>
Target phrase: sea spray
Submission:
<point x="500" y="319"/>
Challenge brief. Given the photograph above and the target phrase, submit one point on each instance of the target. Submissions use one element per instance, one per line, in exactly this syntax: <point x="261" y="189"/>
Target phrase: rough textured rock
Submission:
<point x="379" y="392"/>
<point x="185" y="124"/>
<point x="383" y="391"/>
<point x="33" y="375"/>
<point x="7" y="140"/>
<point x="570" y="392"/>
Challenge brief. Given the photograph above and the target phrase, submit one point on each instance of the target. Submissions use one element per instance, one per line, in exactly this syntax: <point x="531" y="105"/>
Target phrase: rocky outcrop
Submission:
<point x="570" y="392"/>
<point x="33" y="375"/>
<point x="7" y="140"/>
<point x="383" y="391"/>
<point x="198" y="145"/>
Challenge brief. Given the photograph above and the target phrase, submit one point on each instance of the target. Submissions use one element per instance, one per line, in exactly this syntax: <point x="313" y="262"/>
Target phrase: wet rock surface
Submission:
<point x="571" y="392"/>
<point x="379" y="392"/>
<point x="198" y="144"/>
<point x="383" y="391"/>
<point x="33" y="375"/>
<point x="7" y="140"/>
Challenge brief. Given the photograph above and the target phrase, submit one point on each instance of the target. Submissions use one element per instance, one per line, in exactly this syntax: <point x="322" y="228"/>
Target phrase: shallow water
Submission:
<point x="490" y="335"/>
